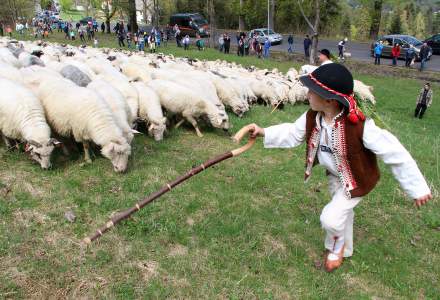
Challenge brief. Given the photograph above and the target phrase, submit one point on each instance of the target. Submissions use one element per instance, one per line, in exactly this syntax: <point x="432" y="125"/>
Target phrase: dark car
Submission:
<point x="405" y="41"/>
<point x="190" y="24"/>
<point x="86" y="20"/>
<point x="434" y="43"/>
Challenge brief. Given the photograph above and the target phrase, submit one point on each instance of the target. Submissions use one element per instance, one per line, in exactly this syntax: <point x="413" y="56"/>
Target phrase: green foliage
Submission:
<point x="66" y="4"/>
<point x="396" y="24"/>
<point x="420" y="26"/>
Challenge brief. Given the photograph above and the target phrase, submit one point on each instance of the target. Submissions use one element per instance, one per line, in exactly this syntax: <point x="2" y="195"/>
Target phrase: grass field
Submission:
<point x="245" y="229"/>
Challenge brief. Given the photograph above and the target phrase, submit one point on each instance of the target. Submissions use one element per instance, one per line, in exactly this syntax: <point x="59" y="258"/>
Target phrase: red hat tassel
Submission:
<point x="354" y="113"/>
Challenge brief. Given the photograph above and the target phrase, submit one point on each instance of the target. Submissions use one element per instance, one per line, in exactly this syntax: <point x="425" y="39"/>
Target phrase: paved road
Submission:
<point x="359" y="51"/>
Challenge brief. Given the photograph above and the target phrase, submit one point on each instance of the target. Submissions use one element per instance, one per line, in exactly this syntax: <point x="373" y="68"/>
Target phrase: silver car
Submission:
<point x="405" y="41"/>
<point x="263" y="33"/>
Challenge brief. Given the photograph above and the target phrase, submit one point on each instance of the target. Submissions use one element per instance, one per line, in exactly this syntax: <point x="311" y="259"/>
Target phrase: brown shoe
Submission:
<point x="331" y="265"/>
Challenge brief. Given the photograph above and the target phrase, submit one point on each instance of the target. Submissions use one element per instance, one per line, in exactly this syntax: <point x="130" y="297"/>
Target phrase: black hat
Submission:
<point x="334" y="81"/>
<point x="325" y="52"/>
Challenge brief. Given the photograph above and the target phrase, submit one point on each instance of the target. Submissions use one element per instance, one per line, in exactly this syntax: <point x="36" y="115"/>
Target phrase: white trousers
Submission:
<point x="337" y="218"/>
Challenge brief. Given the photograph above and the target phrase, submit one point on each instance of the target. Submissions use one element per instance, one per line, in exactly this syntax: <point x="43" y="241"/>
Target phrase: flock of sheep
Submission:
<point x="53" y="91"/>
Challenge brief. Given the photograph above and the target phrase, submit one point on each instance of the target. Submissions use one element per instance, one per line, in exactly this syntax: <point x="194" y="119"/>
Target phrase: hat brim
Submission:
<point x="311" y="85"/>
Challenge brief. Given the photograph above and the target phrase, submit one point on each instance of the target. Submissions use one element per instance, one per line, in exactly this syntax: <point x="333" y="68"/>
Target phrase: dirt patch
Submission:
<point x="148" y="269"/>
<point x="190" y="221"/>
<point x="377" y="290"/>
<point x="178" y="250"/>
<point x="26" y="217"/>
<point x="274" y="245"/>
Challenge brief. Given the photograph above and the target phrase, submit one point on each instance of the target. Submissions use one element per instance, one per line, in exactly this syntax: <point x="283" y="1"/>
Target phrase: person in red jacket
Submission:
<point x="395" y="53"/>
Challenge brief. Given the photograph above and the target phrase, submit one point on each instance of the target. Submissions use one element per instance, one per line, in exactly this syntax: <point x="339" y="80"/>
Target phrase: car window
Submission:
<point x="266" y="32"/>
<point x="437" y="38"/>
<point x="260" y="33"/>
<point x="398" y="41"/>
<point x="387" y="42"/>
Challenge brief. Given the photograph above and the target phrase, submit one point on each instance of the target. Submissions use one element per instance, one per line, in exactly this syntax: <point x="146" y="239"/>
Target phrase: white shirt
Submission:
<point x="379" y="141"/>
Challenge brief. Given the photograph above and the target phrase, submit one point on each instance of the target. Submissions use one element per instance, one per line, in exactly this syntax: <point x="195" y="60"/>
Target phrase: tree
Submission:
<point x="109" y="8"/>
<point x="132" y="18"/>
<point x="241" y="17"/>
<point x="271" y="16"/>
<point x="313" y="27"/>
<point x="420" y="25"/>
<point x="66" y="4"/>
<point x="211" y="11"/>
<point x="396" y="24"/>
<point x="376" y="16"/>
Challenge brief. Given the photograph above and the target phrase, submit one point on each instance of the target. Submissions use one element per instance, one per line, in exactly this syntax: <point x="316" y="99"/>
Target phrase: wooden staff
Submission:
<point x="169" y="186"/>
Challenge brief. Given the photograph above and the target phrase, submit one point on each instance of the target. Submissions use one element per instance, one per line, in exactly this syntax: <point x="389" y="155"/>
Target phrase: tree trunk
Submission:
<point x="241" y="17"/>
<point x="212" y="23"/>
<point x="132" y="18"/>
<point x="271" y="24"/>
<point x="376" y="15"/>
<point x="314" y="49"/>
<point x="107" y="25"/>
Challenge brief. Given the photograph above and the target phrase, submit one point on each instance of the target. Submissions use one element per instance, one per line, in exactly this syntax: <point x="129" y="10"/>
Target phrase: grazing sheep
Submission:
<point x="79" y="112"/>
<point x="8" y="58"/>
<point x="75" y="75"/>
<point x="117" y="104"/>
<point x="22" y="118"/>
<point x="178" y="99"/>
<point x="363" y="91"/>
<point x="150" y="110"/>
<point x="27" y="59"/>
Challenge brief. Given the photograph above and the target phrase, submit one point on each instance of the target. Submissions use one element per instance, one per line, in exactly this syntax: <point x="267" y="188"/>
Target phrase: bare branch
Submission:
<point x="305" y="17"/>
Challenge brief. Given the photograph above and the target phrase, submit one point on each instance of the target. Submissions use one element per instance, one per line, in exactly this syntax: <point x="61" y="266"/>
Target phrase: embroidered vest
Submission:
<point x="357" y="166"/>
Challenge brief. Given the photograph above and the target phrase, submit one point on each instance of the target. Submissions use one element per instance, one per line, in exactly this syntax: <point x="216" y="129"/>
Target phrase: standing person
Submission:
<point x="128" y="37"/>
<point x="341" y="49"/>
<point x="241" y="46"/>
<point x="267" y="46"/>
<point x="9" y="30"/>
<point x="424" y="52"/>
<point x="141" y="42"/>
<point x="409" y="56"/>
<point x="103" y="27"/>
<point x="395" y="53"/>
<point x="424" y="100"/>
<point x="307" y="44"/>
<point x="152" y="42"/>
<point x="89" y="32"/>
<point x="221" y="42"/>
<point x="81" y="34"/>
<point x="186" y="42"/>
<point x="290" y="42"/>
<point x="324" y="57"/>
<point x="1" y="30"/>
<point x="237" y="38"/>
<point x="334" y="130"/>
<point x="378" y="52"/>
<point x="227" y="45"/>
<point x="247" y="43"/>
<point x="259" y="50"/>
<point x="121" y="37"/>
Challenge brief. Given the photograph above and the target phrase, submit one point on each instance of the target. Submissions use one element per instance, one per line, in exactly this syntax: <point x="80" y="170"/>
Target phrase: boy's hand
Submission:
<point x="422" y="200"/>
<point x="255" y="130"/>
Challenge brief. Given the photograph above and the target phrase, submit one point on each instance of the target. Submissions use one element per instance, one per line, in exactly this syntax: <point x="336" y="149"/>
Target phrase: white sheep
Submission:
<point x="181" y="100"/>
<point x="363" y="91"/>
<point x="150" y="110"/>
<point x="117" y="104"/>
<point x="22" y="118"/>
<point x="79" y="112"/>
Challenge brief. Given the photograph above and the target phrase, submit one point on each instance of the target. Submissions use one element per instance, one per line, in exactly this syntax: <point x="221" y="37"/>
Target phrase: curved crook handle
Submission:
<point x="238" y="137"/>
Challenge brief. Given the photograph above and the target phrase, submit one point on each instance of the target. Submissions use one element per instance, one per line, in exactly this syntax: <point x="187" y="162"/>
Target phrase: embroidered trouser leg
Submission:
<point x="337" y="219"/>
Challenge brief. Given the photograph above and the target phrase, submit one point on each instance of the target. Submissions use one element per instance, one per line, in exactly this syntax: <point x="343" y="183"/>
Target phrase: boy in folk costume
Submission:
<point x="341" y="139"/>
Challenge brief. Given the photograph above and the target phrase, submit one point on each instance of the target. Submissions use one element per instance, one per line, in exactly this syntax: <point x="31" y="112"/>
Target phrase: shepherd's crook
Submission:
<point x="125" y="214"/>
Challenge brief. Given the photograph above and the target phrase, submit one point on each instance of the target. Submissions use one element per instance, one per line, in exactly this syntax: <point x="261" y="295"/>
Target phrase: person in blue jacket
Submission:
<point x="378" y="52"/>
<point x="266" y="48"/>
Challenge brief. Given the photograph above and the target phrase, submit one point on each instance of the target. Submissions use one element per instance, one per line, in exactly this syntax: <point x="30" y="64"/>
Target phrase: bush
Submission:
<point x="66" y="4"/>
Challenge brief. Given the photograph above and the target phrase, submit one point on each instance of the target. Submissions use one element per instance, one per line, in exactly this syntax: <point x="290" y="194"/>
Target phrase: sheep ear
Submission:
<point x="135" y="131"/>
<point x="34" y="143"/>
<point x="54" y="142"/>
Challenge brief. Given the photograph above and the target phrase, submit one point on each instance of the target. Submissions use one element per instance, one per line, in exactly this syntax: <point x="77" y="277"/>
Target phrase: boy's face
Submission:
<point x="317" y="103"/>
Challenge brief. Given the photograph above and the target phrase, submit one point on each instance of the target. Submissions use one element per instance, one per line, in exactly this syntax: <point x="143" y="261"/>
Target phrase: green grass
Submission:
<point x="74" y="15"/>
<point x="247" y="228"/>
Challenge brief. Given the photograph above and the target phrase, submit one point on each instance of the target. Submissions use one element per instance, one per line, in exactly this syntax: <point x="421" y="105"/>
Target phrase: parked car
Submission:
<point x="434" y="43"/>
<point x="263" y="33"/>
<point x="86" y="20"/>
<point x="403" y="40"/>
<point x="190" y="24"/>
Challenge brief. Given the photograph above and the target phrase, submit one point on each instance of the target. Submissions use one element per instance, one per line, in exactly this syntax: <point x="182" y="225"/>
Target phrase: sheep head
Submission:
<point x="157" y="129"/>
<point x="41" y="152"/>
<point x="118" y="153"/>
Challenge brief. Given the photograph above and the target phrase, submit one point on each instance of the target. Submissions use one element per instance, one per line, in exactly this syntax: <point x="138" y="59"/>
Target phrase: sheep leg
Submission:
<point x="179" y="123"/>
<point x="6" y="141"/>
<point x="86" y="147"/>
<point x="193" y="122"/>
